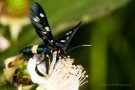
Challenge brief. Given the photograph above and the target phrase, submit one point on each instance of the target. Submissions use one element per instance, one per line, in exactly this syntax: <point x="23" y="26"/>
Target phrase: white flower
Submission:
<point x="58" y="75"/>
<point x="12" y="19"/>
<point x="4" y="44"/>
<point x="15" y="24"/>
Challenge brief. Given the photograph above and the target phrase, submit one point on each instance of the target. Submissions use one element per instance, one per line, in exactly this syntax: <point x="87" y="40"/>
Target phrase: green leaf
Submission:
<point x="64" y="13"/>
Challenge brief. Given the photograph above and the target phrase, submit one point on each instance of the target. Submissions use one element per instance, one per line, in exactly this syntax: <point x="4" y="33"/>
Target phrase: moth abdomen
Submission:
<point x="35" y="49"/>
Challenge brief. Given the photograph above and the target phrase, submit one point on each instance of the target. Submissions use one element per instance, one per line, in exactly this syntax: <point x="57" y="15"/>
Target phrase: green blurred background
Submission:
<point x="107" y="24"/>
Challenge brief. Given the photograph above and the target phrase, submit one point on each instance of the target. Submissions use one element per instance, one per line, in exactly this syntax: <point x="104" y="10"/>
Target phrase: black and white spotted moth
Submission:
<point x="39" y="21"/>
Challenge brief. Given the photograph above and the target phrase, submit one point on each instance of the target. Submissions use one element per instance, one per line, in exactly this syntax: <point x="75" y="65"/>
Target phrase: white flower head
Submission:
<point x="10" y="17"/>
<point x="60" y="74"/>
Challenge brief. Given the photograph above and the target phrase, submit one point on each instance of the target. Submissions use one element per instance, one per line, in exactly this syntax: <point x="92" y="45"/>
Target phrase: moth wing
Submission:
<point x="65" y="40"/>
<point x="39" y="21"/>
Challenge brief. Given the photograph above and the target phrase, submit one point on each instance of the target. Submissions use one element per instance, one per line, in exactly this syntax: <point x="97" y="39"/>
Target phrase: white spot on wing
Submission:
<point x="67" y="33"/>
<point x="62" y="41"/>
<point x="51" y="40"/>
<point x="70" y="31"/>
<point x="47" y="29"/>
<point x="36" y="19"/>
<point x="42" y="15"/>
<point x="43" y="37"/>
<point x="45" y="32"/>
<point x="67" y="38"/>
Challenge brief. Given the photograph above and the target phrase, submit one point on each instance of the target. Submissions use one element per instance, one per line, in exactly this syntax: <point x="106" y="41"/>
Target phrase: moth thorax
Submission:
<point x="59" y="46"/>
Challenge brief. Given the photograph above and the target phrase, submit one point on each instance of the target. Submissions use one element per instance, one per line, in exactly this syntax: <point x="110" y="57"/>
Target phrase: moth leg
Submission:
<point x="42" y="60"/>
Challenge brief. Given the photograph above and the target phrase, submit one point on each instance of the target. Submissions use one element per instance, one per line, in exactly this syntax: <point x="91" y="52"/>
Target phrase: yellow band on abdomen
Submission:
<point x="34" y="49"/>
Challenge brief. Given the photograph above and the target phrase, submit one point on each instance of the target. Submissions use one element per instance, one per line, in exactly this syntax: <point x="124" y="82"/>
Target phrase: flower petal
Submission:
<point x="5" y="44"/>
<point x="40" y="63"/>
<point x="42" y="68"/>
<point x="33" y="74"/>
<point x="42" y="87"/>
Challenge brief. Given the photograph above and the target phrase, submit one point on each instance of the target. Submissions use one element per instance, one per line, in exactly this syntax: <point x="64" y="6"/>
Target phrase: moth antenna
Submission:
<point x="87" y="45"/>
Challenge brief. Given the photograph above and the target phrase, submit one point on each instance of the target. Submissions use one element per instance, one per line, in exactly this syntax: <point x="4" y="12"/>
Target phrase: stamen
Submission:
<point x="83" y="83"/>
<point x="52" y="63"/>
<point x="64" y="74"/>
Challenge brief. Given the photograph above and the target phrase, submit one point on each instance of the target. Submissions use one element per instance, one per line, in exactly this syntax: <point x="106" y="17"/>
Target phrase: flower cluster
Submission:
<point x="59" y="74"/>
<point x="15" y="71"/>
